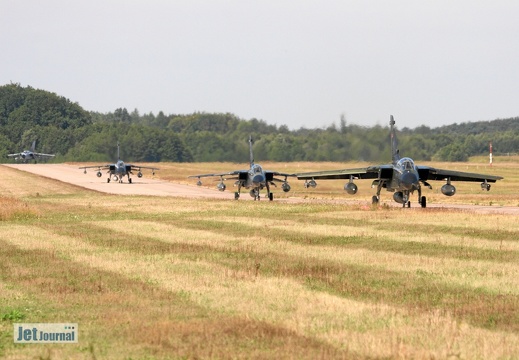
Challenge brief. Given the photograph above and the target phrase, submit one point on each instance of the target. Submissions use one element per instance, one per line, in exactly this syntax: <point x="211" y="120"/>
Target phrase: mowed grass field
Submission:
<point x="164" y="277"/>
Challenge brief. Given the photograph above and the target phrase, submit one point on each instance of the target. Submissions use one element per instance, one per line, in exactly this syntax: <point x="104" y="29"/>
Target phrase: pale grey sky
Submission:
<point x="299" y="63"/>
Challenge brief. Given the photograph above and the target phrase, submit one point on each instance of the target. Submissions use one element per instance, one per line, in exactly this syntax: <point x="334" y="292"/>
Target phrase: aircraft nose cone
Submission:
<point x="408" y="180"/>
<point x="258" y="179"/>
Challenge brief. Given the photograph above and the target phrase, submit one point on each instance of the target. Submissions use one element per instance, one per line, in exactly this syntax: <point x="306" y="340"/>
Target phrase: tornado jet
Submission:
<point x="253" y="179"/>
<point x="402" y="177"/>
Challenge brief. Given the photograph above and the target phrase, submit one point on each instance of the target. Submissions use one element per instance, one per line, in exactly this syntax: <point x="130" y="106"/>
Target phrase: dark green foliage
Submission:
<point x="27" y="114"/>
<point x="63" y="128"/>
<point x="138" y="143"/>
<point x="73" y="134"/>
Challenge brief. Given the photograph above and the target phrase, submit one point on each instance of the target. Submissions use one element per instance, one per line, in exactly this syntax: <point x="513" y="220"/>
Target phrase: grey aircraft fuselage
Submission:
<point x="25" y="156"/>
<point x="120" y="170"/>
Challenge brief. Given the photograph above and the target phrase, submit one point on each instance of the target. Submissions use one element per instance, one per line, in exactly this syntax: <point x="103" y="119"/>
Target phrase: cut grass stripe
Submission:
<point x="360" y="282"/>
<point x="143" y="315"/>
<point x="368" y="241"/>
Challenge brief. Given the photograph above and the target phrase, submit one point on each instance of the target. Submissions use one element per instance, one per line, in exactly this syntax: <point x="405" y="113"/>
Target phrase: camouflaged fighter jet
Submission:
<point x="117" y="171"/>
<point x="28" y="155"/>
<point x="402" y="177"/>
<point x="255" y="179"/>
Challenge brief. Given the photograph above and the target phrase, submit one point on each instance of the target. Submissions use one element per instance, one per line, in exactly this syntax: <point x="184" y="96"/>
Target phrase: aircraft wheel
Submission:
<point x="108" y="180"/>
<point x="408" y="204"/>
<point x="236" y="195"/>
<point x="423" y="202"/>
<point x="374" y="200"/>
<point x="130" y="180"/>
<point x="271" y="196"/>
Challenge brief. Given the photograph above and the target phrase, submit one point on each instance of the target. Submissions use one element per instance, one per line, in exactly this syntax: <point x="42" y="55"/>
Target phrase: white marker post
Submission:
<point x="490" y="146"/>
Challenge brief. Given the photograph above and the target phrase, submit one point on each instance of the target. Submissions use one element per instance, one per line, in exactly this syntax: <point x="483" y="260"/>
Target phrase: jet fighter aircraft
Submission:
<point x="28" y="155"/>
<point x="402" y="177"/>
<point x="118" y="170"/>
<point x="255" y="179"/>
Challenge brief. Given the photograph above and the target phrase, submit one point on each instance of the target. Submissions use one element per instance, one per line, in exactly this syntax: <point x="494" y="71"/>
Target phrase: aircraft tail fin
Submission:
<point x="33" y="147"/>
<point x="250" y="151"/>
<point x="395" y="153"/>
<point x="118" y="155"/>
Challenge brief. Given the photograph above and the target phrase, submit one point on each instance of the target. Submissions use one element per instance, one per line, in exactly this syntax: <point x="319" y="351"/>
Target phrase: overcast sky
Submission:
<point x="299" y="63"/>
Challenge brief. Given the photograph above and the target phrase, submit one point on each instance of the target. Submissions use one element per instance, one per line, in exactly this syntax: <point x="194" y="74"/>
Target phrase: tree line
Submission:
<point x="72" y="133"/>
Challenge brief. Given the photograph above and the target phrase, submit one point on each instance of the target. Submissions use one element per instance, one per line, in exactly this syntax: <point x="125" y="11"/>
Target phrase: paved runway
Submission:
<point x="139" y="186"/>
<point x="149" y="186"/>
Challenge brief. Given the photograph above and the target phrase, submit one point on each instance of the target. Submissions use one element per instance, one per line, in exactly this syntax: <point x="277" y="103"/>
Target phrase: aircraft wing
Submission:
<point x="370" y="172"/>
<point x="276" y="173"/>
<point x="138" y="168"/>
<point x="43" y="155"/>
<point x="13" y="155"/>
<point x="430" y="173"/>
<point x="97" y="166"/>
<point x="236" y="172"/>
<point x="270" y="175"/>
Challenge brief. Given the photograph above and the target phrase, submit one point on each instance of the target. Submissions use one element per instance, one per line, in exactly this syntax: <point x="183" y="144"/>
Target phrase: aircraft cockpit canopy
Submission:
<point x="120" y="163"/>
<point x="406" y="164"/>
<point x="257" y="169"/>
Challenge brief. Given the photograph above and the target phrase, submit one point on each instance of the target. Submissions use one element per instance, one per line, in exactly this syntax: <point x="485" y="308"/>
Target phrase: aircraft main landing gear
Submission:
<point x="376" y="198"/>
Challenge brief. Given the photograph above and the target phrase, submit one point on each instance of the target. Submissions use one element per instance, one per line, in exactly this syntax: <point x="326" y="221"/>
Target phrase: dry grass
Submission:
<point x="188" y="278"/>
<point x="14" y="209"/>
